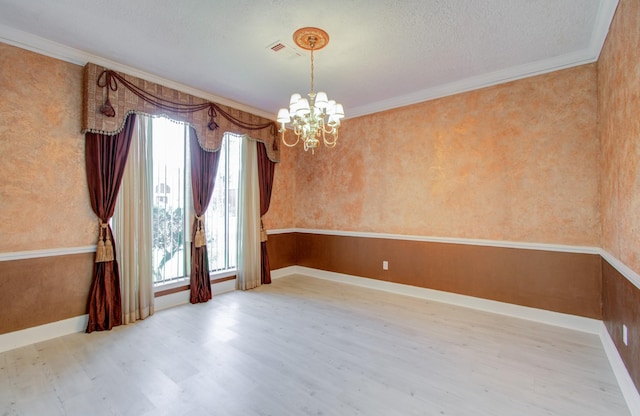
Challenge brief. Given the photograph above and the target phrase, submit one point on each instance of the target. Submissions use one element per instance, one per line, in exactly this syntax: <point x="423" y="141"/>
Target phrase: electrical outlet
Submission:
<point x="385" y="265"/>
<point x="625" y="335"/>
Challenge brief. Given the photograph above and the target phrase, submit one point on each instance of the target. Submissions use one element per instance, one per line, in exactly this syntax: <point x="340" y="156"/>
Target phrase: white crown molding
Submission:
<point x="55" y="50"/>
<point x="34" y="254"/>
<point x="24" y="40"/>
<point x="477" y="82"/>
<point x="448" y="240"/>
<point x="589" y="55"/>
<point x="604" y="18"/>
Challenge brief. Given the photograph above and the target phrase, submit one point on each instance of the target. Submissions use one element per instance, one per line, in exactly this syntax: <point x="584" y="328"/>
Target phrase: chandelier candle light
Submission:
<point x="316" y="117"/>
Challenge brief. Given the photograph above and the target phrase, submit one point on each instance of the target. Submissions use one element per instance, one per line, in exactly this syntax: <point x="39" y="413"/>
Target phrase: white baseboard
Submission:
<point x="41" y="333"/>
<point x="578" y="323"/>
<point x="285" y="271"/>
<point x="625" y="382"/>
<point x="77" y="324"/>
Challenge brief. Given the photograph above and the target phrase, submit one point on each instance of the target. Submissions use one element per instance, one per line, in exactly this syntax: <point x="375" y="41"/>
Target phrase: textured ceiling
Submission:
<point x="382" y="53"/>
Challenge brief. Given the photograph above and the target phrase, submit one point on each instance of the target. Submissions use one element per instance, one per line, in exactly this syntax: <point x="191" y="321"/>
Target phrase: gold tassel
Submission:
<point x="100" y="257"/>
<point x="104" y="249"/>
<point x="263" y="232"/>
<point x="108" y="250"/>
<point x="199" y="239"/>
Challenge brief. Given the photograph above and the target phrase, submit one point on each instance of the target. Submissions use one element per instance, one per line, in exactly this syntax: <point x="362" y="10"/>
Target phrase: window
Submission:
<point x="172" y="204"/>
<point x="221" y="218"/>
<point x="170" y="248"/>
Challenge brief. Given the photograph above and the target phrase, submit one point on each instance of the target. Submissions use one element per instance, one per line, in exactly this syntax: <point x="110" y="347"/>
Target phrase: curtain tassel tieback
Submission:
<point x="263" y="232"/>
<point x="104" y="251"/>
<point x="200" y="240"/>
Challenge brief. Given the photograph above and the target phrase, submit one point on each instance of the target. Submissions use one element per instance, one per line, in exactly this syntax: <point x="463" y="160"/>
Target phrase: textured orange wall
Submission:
<point x="282" y="209"/>
<point x="517" y="162"/>
<point x="44" y="202"/>
<point x="510" y="162"/>
<point x="619" y="131"/>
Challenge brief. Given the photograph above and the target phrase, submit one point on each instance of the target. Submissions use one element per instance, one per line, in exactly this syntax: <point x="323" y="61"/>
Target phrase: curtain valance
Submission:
<point x="109" y="96"/>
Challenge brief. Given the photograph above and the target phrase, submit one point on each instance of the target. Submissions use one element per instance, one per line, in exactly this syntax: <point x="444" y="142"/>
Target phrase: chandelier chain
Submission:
<point x="312" y="42"/>
<point x="312" y="90"/>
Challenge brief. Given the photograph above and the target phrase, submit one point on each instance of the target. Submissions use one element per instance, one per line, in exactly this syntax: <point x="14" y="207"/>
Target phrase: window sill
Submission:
<point x="184" y="281"/>
<point x="184" y="284"/>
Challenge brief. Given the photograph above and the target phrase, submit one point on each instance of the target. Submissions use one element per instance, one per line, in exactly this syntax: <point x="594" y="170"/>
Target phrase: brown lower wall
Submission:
<point x="282" y="250"/>
<point x="43" y="290"/>
<point x="621" y="305"/>
<point x="39" y="291"/>
<point x="556" y="281"/>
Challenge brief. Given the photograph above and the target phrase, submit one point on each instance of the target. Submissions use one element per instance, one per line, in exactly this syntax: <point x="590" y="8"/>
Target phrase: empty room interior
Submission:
<point x="454" y="230"/>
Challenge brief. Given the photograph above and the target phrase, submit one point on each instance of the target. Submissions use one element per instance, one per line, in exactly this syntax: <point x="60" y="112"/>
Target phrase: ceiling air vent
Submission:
<point x="286" y="51"/>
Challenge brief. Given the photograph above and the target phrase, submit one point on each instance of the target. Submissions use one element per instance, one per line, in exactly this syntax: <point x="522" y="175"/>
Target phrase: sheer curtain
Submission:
<point x="248" y="263"/>
<point x="132" y="225"/>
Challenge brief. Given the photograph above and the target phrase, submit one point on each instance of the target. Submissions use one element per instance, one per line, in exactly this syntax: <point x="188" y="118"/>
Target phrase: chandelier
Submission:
<point x="317" y="117"/>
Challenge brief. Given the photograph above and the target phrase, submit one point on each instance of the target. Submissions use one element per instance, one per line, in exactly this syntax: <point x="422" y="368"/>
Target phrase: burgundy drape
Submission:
<point x="266" y="169"/>
<point x="204" y="166"/>
<point x="105" y="159"/>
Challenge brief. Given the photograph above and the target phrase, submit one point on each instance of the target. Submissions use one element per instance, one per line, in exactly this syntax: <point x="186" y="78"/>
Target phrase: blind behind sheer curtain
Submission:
<point x="132" y="223"/>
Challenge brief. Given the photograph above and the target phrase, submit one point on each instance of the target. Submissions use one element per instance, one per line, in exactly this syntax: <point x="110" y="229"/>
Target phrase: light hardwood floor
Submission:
<point x="304" y="346"/>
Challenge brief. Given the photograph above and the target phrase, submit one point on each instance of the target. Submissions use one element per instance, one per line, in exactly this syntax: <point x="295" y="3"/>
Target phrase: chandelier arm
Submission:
<point x="285" y="140"/>
<point x="334" y="134"/>
<point x="332" y="130"/>
<point x="331" y="143"/>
